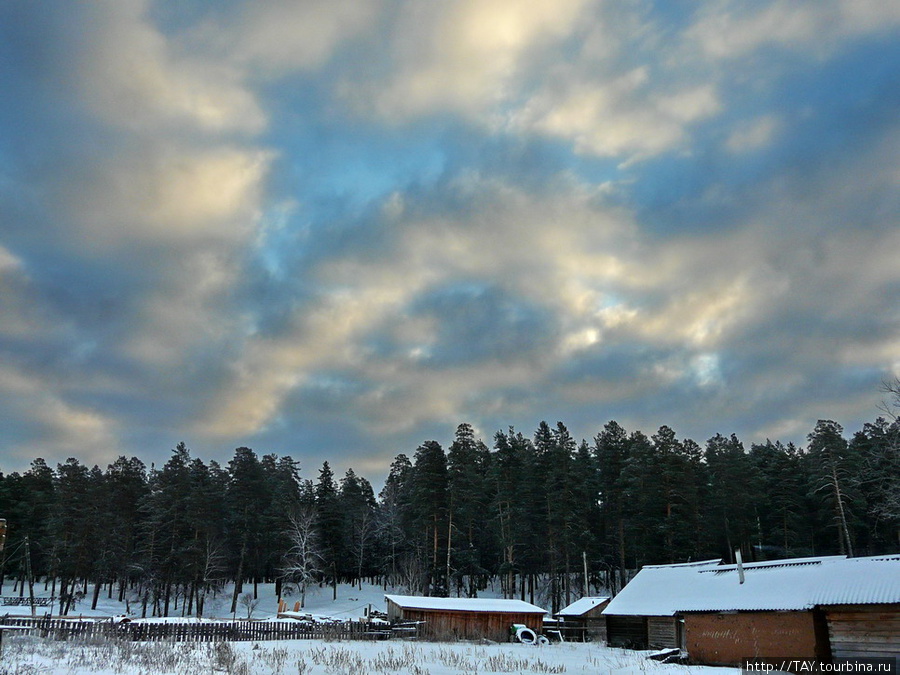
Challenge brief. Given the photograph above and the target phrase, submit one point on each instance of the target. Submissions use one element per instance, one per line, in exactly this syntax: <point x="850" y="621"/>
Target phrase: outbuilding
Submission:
<point x="820" y="608"/>
<point x="644" y="615"/>
<point x="465" y="618"/>
<point x="583" y="620"/>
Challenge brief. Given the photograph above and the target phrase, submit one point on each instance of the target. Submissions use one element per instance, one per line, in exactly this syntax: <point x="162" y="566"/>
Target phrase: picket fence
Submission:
<point x="217" y="631"/>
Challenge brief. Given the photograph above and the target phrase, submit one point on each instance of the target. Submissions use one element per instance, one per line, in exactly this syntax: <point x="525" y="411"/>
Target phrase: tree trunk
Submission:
<point x="845" y="532"/>
<point x="239" y="576"/>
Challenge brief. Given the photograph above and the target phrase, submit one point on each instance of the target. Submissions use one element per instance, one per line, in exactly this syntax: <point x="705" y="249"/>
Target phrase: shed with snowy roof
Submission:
<point x="804" y="607"/>
<point x="583" y="619"/>
<point x="834" y="607"/>
<point x="644" y="613"/>
<point x="465" y="618"/>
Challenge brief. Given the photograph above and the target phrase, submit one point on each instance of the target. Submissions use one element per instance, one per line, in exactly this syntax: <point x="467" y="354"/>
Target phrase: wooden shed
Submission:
<point x="583" y="620"/>
<point x="644" y="615"/>
<point x="822" y="608"/>
<point x="465" y="618"/>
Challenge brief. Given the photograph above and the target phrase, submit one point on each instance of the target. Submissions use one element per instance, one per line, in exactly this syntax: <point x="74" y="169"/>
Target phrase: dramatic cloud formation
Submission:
<point x="337" y="229"/>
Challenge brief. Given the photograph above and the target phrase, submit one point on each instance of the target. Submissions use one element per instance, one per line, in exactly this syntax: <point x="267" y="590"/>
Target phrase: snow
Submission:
<point x="466" y="604"/>
<point x="351" y="603"/>
<point x="29" y="654"/>
<point x="316" y="657"/>
<point x="786" y="585"/>
<point x="582" y="606"/>
<point x="657" y="590"/>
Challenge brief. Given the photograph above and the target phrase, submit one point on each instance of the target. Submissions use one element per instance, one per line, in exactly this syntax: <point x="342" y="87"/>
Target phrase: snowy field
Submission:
<point x="27" y="656"/>
<point x="24" y="655"/>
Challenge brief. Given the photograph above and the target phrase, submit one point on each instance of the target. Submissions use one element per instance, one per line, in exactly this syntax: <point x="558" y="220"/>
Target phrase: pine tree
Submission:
<point x="75" y="524"/>
<point x="330" y="524"/>
<point x="357" y="502"/>
<point x="429" y="505"/>
<point x="249" y="496"/>
<point x="126" y="489"/>
<point x="730" y="514"/>
<point x="611" y="448"/>
<point x="833" y="474"/>
<point x="511" y="506"/>
<point x="394" y="517"/>
<point x="468" y="462"/>
<point x="878" y="447"/>
<point x="282" y="476"/>
<point x="783" y="508"/>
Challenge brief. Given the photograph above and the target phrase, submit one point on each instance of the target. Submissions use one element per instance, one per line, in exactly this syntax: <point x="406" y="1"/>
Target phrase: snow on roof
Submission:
<point x="699" y="563"/>
<point x="465" y="604"/>
<point x="794" y="584"/>
<point x="657" y="590"/>
<point x="582" y="606"/>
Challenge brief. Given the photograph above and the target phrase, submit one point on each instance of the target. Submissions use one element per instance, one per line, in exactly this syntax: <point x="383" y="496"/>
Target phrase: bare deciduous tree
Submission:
<point x="213" y="567"/>
<point x="303" y="561"/>
<point x="891" y="406"/>
<point x="249" y="603"/>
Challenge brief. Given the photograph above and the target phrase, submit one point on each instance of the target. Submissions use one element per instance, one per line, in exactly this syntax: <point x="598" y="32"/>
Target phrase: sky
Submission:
<point x="335" y="229"/>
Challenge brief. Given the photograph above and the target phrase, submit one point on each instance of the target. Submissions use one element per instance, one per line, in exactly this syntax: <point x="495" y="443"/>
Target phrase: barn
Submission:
<point x="644" y="615"/>
<point x="821" y="608"/>
<point x="769" y="614"/>
<point x="465" y="618"/>
<point x="583" y="620"/>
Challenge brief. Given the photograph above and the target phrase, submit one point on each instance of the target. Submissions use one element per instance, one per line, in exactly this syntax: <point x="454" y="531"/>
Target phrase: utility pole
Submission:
<point x="587" y="586"/>
<point x="2" y="551"/>
<point x="28" y="574"/>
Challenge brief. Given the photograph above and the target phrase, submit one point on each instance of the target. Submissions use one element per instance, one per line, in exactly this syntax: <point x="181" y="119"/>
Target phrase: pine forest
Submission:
<point x="536" y="517"/>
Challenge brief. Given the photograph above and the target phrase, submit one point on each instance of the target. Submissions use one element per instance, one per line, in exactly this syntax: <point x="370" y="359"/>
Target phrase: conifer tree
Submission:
<point x="468" y="462"/>
<point x="783" y="510"/>
<point x="429" y="505"/>
<point x="732" y="487"/>
<point x="833" y="470"/>
<point x="357" y="500"/>
<point x="330" y="525"/>
<point x="611" y="448"/>
<point x="394" y="517"/>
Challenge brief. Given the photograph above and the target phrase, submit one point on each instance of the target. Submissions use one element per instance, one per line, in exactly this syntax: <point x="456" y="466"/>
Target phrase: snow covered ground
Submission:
<point x="24" y="655"/>
<point x="350" y="603"/>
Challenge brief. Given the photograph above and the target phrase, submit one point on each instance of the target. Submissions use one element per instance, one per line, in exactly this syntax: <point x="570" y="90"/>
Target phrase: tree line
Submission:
<point x="543" y="516"/>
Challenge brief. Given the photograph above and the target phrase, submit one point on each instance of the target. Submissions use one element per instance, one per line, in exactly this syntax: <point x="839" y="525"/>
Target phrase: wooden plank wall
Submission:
<point x="448" y="625"/>
<point x="864" y="630"/>
<point x="626" y="631"/>
<point x="661" y="632"/>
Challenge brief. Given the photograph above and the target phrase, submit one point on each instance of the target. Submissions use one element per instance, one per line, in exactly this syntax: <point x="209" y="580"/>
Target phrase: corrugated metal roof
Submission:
<point x="465" y="604"/>
<point x="796" y="584"/>
<point x="657" y="590"/>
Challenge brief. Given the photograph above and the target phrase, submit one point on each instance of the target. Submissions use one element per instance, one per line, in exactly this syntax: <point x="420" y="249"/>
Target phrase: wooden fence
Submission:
<point x="218" y="631"/>
<point x="17" y="601"/>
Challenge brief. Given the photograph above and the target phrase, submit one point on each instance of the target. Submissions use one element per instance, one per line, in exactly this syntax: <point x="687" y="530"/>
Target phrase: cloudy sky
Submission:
<point x="335" y="229"/>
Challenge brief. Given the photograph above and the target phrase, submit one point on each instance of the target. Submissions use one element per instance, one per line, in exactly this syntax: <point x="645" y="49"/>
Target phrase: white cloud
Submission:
<point x="622" y="116"/>
<point x="281" y="36"/>
<point x="753" y="135"/>
<point x="466" y="56"/>
<point x="57" y="425"/>
<point x="130" y="75"/>
<point x="731" y="29"/>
